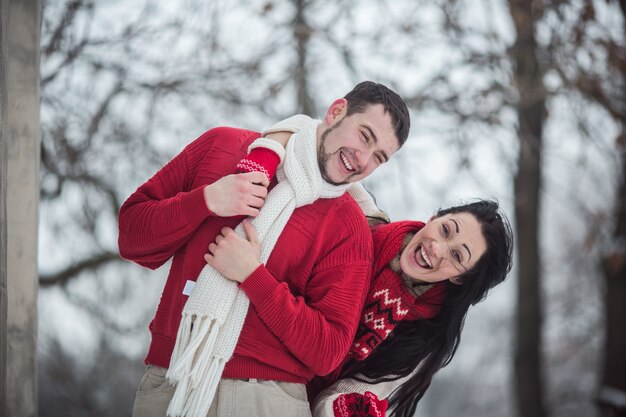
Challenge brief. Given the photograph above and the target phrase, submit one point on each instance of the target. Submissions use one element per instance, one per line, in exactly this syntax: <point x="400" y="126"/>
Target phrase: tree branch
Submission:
<point x="64" y="276"/>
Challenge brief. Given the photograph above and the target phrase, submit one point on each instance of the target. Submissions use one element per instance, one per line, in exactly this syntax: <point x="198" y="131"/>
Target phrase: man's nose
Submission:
<point x="364" y="156"/>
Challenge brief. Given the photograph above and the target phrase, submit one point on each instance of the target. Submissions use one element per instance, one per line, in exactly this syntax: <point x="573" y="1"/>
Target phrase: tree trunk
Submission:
<point x="3" y="206"/>
<point x="612" y="393"/>
<point x="22" y="199"/>
<point x="531" y="114"/>
<point x="302" y="32"/>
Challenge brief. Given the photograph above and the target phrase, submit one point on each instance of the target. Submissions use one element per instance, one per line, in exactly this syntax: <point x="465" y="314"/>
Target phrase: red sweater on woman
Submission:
<point x="304" y="303"/>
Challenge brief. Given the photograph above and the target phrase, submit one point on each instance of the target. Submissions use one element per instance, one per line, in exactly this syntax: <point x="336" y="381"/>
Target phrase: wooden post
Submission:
<point x="3" y="209"/>
<point x="23" y="27"/>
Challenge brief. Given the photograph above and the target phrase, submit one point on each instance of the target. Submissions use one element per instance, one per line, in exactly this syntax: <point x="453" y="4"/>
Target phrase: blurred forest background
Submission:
<point x="523" y="101"/>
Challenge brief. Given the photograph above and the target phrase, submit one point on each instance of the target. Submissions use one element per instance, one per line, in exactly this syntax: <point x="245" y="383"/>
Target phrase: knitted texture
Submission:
<point x="359" y="405"/>
<point x="215" y="312"/>
<point x="291" y="124"/>
<point x="270" y="144"/>
<point x="389" y="301"/>
<point x="264" y="155"/>
<point x="347" y="389"/>
<point x="363" y="198"/>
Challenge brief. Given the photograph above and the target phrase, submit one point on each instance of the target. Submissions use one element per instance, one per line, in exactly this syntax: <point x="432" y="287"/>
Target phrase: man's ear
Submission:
<point x="336" y="112"/>
<point x="456" y="280"/>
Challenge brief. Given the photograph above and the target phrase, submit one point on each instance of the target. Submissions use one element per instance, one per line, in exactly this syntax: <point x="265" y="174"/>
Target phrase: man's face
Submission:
<point x="352" y="147"/>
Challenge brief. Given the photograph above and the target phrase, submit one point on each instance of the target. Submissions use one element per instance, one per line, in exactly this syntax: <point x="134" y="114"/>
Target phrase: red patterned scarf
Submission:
<point x="389" y="300"/>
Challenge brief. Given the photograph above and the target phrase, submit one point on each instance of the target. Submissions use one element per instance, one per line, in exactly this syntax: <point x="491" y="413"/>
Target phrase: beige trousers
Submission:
<point x="234" y="397"/>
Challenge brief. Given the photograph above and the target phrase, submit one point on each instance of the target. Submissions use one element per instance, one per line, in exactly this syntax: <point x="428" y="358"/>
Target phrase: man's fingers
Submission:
<point x="250" y="211"/>
<point x="212" y="248"/>
<point x="250" y="231"/>
<point x="258" y="178"/>
<point x="256" y="202"/>
<point x="259" y="191"/>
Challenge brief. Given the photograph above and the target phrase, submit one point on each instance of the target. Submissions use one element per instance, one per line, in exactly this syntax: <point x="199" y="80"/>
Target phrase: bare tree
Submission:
<point x="3" y="207"/>
<point x="588" y="55"/>
<point x="611" y="95"/>
<point x="531" y="109"/>
<point x="77" y="386"/>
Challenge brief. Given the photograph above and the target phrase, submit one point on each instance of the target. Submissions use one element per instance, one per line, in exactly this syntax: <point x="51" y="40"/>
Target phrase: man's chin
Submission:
<point x="334" y="182"/>
<point x="338" y="181"/>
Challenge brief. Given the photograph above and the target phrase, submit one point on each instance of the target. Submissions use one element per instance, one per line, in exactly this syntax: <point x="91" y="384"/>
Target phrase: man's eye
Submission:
<point x="365" y="137"/>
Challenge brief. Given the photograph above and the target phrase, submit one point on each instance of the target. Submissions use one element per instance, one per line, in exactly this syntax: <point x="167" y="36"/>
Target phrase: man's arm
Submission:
<point x="160" y="216"/>
<point x="317" y="328"/>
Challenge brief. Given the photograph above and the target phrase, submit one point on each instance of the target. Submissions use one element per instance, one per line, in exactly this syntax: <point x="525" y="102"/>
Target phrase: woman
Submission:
<point x="432" y="263"/>
<point x="424" y="279"/>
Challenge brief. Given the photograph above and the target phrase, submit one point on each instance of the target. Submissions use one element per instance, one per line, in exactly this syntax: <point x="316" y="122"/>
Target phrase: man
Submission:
<point x="305" y="302"/>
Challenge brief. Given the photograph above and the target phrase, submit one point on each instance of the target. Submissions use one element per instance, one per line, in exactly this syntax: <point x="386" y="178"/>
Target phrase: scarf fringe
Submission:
<point x="197" y="371"/>
<point x="196" y="401"/>
<point x="195" y="342"/>
<point x="196" y="336"/>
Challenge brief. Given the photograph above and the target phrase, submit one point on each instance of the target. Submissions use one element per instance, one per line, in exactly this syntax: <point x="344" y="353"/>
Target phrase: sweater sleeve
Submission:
<point x="160" y="216"/>
<point x="318" y="328"/>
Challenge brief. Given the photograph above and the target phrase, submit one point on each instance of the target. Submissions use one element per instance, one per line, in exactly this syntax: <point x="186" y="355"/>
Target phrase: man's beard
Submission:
<point x="323" y="157"/>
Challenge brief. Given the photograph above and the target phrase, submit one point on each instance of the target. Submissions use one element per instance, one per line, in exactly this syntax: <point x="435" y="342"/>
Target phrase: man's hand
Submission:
<point x="237" y="194"/>
<point x="233" y="256"/>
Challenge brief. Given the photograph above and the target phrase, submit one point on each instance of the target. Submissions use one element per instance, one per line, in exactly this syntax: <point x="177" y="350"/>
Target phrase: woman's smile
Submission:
<point x="444" y="248"/>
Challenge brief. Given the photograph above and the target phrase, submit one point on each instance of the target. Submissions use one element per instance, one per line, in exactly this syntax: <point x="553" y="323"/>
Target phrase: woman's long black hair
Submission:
<point x="432" y="343"/>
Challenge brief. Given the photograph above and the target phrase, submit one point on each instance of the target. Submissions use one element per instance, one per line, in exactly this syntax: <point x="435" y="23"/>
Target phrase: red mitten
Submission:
<point x="357" y="405"/>
<point x="264" y="156"/>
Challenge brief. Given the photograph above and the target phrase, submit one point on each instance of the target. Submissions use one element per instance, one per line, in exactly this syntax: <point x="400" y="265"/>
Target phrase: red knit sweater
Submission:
<point x="305" y="302"/>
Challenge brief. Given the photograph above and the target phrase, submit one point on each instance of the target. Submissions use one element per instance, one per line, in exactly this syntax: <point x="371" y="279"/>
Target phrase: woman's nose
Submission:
<point x="436" y="248"/>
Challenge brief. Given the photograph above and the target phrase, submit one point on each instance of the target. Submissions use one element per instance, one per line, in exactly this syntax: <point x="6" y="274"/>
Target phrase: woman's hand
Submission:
<point x="233" y="256"/>
<point x="281" y="137"/>
<point x="359" y="405"/>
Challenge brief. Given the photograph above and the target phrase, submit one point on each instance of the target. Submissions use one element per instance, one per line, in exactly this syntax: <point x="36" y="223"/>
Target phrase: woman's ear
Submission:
<point x="336" y="111"/>
<point x="456" y="280"/>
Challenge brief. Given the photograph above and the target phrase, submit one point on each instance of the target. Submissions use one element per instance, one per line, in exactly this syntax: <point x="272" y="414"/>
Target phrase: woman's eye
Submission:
<point x="446" y="231"/>
<point x="457" y="256"/>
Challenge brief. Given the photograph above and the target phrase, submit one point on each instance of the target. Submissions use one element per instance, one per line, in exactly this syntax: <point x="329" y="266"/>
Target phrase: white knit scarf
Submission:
<point x="214" y="314"/>
<point x="358" y="192"/>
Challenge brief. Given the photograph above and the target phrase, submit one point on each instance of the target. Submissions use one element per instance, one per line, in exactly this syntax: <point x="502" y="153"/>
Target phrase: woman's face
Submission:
<point x="444" y="248"/>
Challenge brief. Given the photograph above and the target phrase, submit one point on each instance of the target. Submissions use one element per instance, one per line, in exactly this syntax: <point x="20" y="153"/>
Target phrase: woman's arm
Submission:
<point x="349" y="397"/>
